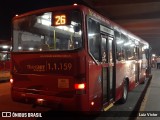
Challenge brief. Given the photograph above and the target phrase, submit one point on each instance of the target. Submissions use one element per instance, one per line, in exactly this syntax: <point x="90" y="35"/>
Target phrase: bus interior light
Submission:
<point x="5" y="46"/>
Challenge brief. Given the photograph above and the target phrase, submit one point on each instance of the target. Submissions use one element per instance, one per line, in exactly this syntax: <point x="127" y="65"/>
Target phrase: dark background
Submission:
<point x="10" y="8"/>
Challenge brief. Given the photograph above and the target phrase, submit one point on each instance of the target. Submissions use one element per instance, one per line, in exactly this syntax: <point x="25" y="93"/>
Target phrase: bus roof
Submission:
<point x="90" y="12"/>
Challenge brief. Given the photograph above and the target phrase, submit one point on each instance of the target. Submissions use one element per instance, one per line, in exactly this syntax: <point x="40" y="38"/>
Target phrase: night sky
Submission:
<point x="9" y="9"/>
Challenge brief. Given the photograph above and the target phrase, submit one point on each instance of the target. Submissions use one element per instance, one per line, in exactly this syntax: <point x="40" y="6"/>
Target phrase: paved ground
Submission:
<point x="150" y="107"/>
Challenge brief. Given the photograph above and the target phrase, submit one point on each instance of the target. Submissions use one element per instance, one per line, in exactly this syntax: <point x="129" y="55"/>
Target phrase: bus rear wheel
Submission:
<point x="125" y="92"/>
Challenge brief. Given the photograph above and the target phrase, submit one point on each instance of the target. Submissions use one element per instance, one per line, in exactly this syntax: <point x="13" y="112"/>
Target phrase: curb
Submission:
<point x="136" y="109"/>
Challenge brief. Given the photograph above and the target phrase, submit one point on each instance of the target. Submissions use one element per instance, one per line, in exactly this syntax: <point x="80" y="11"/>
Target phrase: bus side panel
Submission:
<point x="143" y="66"/>
<point x="142" y="75"/>
<point x="120" y="68"/>
<point x="132" y="74"/>
<point x="125" y="71"/>
<point x="95" y="86"/>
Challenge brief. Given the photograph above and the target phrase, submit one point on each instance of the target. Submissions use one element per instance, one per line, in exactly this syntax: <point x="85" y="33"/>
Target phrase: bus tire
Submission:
<point x="124" y="93"/>
<point x="144" y="79"/>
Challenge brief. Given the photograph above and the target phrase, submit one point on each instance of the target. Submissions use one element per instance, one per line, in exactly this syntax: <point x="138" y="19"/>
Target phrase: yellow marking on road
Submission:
<point x="108" y="107"/>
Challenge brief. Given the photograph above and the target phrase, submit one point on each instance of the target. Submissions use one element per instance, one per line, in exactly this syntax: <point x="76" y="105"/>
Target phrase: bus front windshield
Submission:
<point x="49" y="31"/>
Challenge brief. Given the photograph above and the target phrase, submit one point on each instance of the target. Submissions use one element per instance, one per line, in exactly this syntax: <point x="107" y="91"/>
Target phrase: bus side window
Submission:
<point x="125" y="47"/>
<point x="103" y="50"/>
<point x="45" y="45"/>
<point x="119" y="49"/>
<point x="95" y="48"/>
<point x="94" y="40"/>
<point x="119" y="53"/>
<point x="3" y="57"/>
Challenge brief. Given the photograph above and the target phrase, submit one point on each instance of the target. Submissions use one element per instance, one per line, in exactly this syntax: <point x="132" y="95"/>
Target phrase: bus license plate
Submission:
<point x="63" y="83"/>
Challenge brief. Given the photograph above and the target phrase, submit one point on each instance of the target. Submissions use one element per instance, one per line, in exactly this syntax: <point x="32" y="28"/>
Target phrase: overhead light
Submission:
<point x="128" y="43"/>
<point x="120" y="42"/>
<point x="153" y="55"/>
<point x="19" y="47"/>
<point x="31" y="48"/>
<point x="5" y="46"/>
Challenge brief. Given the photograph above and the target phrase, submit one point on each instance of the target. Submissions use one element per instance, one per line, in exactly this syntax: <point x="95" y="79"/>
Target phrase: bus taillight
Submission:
<point x="80" y="86"/>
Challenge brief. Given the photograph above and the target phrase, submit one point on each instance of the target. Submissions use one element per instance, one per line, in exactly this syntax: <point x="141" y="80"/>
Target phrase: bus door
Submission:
<point x="107" y="68"/>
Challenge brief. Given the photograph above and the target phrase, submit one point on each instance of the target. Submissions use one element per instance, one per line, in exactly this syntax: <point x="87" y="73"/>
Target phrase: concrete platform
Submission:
<point x="150" y="107"/>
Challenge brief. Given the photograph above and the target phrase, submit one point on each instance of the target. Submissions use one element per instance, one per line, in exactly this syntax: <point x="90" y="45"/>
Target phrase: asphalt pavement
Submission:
<point x="150" y="107"/>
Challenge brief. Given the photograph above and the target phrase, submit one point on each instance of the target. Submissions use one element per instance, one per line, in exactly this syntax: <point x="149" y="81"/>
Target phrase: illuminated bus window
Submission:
<point x="40" y="33"/>
<point x="119" y="43"/>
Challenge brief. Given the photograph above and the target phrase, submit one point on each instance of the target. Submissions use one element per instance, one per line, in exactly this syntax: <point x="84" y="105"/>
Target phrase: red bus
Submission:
<point x="73" y="58"/>
<point x="5" y="47"/>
